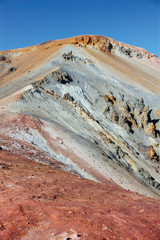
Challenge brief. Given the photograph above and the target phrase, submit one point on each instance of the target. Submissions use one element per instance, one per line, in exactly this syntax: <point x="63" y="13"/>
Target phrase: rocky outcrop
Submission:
<point x="69" y="56"/>
<point x="62" y="76"/>
<point x="105" y="45"/>
<point x="136" y="138"/>
<point x="58" y="74"/>
<point x="130" y="114"/>
<point x="3" y="58"/>
<point x="12" y="69"/>
<point x="68" y="97"/>
<point x="76" y="121"/>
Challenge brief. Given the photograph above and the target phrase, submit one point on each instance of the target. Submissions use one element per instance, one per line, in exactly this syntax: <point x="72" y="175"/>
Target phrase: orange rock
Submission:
<point x="87" y="40"/>
<point x="152" y="154"/>
<point x="149" y="128"/>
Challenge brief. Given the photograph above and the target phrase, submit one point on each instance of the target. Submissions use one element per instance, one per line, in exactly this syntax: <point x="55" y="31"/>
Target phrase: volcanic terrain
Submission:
<point x="79" y="141"/>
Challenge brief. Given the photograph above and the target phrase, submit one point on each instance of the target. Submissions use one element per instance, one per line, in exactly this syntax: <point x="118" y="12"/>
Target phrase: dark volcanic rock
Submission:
<point x="3" y="58"/>
<point x="12" y="69"/>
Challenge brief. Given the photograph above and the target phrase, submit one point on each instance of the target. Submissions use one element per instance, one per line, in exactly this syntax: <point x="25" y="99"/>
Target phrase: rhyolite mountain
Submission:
<point x="79" y="141"/>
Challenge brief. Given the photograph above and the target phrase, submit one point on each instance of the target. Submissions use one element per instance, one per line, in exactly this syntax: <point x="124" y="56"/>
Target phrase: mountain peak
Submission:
<point x="79" y="131"/>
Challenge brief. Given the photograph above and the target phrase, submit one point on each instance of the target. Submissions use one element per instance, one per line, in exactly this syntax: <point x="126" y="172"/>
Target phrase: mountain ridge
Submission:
<point x="86" y="40"/>
<point x="88" y="106"/>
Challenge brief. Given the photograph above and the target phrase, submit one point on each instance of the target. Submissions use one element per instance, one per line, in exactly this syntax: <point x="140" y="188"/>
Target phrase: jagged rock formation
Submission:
<point x="88" y="105"/>
<point x="107" y="44"/>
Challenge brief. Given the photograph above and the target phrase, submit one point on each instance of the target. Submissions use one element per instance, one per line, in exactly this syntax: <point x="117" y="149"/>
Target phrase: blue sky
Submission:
<point x="29" y="22"/>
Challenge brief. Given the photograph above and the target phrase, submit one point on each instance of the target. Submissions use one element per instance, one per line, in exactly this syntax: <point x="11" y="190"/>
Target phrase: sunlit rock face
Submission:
<point x="89" y="106"/>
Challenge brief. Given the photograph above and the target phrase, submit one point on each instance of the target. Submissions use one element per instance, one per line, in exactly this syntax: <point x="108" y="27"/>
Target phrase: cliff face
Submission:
<point x="88" y="105"/>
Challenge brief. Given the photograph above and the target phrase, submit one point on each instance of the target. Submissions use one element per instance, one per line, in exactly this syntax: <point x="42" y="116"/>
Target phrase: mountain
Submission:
<point x="79" y="141"/>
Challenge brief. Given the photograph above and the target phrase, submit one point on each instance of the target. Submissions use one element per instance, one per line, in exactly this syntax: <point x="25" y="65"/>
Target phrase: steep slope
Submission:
<point x="24" y="62"/>
<point x="102" y="93"/>
<point x="89" y="106"/>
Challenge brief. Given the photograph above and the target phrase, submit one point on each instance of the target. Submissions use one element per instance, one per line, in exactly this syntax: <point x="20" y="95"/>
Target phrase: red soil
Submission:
<point x="41" y="202"/>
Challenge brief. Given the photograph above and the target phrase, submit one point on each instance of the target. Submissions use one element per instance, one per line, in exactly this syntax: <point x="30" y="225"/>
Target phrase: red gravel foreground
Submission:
<point x="41" y="202"/>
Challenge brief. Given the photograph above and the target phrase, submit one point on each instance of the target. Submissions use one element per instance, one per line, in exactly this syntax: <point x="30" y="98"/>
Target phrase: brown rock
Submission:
<point x="110" y="99"/>
<point x="152" y="154"/>
<point x="87" y="40"/>
<point x="114" y="117"/>
<point x="68" y="97"/>
<point x="149" y="128"/>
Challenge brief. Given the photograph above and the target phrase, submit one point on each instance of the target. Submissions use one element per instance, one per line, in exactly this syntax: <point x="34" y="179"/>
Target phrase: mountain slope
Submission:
<point x="97" y="89"/>
<point x="88" y="105"/>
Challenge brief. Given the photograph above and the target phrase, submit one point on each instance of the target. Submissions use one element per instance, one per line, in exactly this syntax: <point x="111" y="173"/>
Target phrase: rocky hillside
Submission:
<point x="88" y="105"/>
